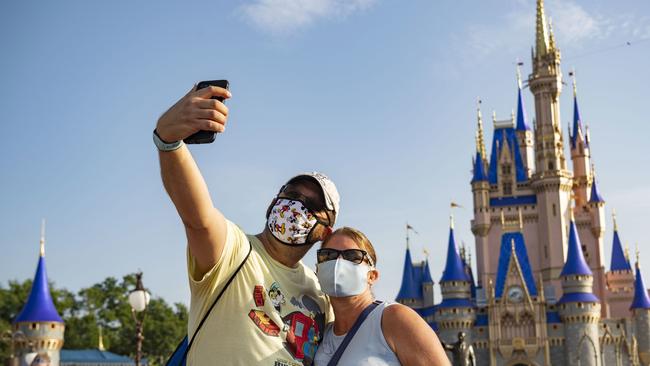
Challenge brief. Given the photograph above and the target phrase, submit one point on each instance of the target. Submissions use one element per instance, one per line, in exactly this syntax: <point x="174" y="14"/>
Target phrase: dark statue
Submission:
<point x="463" y="352"/>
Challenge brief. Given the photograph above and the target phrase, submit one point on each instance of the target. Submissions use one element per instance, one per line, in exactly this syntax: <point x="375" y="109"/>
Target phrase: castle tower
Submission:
<point x="619" y="278"/>
<point x="641" y="313"/>
<point x="579" y="308"/>
<point x="38" y="328"/>
<point x="552" y="181"/>
<point x="456" y="312"/>
<point x="516" y="310"/>
<point x="481" y="194"/>
<point x="580" y="155"/>
<point x="523" y="131"/>
<point x="416" y="290"/>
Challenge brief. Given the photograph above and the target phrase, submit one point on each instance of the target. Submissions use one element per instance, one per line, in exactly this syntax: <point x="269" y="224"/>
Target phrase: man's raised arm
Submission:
<point x="205" y="226"/>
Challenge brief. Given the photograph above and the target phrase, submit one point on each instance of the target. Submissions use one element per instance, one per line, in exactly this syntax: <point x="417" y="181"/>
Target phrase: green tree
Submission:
<point x="103" y="304"/>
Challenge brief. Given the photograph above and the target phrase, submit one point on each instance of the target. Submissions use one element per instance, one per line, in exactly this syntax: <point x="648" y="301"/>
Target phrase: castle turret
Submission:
<point x="481" y="194"/>
<point x="38" y="328"/>
<point x="456" y="312"/>
<point x="619" y="278"/>
<point x="523" y="131"/>
<point x="579" y="308"/>
<point x="552" y="181"/>
<point x="641" y="313"/>
<point x="579" y="155"/>
<point x="409" y="292"/>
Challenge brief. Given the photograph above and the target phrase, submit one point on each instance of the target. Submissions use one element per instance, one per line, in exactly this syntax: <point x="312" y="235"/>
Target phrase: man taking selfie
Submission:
<point x="272" y="311"/>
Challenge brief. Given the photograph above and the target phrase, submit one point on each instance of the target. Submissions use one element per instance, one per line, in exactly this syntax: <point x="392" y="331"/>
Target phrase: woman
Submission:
<point x="391" y="334"/>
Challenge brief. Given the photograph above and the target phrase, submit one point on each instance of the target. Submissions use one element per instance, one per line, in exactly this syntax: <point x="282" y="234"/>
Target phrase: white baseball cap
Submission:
<point x="331" y="194"/>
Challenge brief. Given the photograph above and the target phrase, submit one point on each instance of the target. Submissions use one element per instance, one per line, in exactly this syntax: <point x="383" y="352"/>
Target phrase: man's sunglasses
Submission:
<point x="353" y="255"/>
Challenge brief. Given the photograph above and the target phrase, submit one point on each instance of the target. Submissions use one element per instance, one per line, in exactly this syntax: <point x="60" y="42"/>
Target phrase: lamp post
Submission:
<point x="139" y="299"/>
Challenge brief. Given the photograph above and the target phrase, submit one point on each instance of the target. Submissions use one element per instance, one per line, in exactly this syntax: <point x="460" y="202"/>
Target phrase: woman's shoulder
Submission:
<point x="396" y="312"/>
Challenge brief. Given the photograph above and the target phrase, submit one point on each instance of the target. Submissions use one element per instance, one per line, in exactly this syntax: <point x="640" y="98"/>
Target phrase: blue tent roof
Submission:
<point x="575" y="262"/>
<point x="479" y="170"/>
<point x="577" y="124"/>
<point x="522" y="258"/>
<point x="595" y="193"/>
<point x="39" y="306"/>
<point x="619" y="261"/>
<point x="426" y="272"/>
<point x="501" y="135"/>
<point x="454" y="268"/>
<point x="641" y="300"/>
<point x="85" y="356"/>
<point x="411" y="280"/>
<point x="578" y="297"/>
<point x="522" y="123"/>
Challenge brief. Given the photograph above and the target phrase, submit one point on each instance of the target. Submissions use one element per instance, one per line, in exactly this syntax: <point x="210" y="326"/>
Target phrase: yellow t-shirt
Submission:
<point x="270" y="314"/>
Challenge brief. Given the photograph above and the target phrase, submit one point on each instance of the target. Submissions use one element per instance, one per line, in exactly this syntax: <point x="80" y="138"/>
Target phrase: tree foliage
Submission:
<point x="103" y="304"/>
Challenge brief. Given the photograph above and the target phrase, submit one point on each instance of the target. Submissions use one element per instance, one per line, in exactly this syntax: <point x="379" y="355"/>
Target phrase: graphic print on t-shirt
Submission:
<point x="303" y="321"/>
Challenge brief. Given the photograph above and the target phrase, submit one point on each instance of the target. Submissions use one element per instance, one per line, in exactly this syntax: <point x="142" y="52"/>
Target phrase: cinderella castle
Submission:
<point x="542" y="294"/>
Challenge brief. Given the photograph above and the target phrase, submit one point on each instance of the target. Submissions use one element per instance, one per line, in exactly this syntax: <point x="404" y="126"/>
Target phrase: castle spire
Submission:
<point x="541" y="35"/>
<point x="575" y="262"/>
<point x="408" y="289"/>
<point x="480" y="142"/>
<point x="595" y="197"/>
<point x="619" y="262"/>
<point x="641" y="299"/>
<point x="577" y="132"/>
<point x="39" y="306"/>
<point x="454" y="268"/>
<point x="522" y="123"/>
<point x="42" y="249"/>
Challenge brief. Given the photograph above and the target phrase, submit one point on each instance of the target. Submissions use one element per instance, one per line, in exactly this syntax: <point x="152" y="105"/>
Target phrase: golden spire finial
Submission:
<point x="100" y="342"/>
<point x="614" y="219"/>
<point x="519" y="63"/>
<point x="637" y="253"/>
<point x="494" y="118"/>
<point x="480" y="138"/>
<point x="626" y="251"/>
<point x="551" y="37"/>
<point x="426" y="253"/>
<point x="451" y="221"/>
<point x="572" y="74"/>
<point x="541" y="34"/>
<point x="42" y="251"/>
<point x="593" y="170"/>
<point x="571" y="214"/>
<point x="512" y="115"/>
<point x="521" y="219"/>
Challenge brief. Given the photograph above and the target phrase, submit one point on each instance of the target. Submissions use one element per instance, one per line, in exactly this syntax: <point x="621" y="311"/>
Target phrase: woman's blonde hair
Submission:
<point x="358" y="237"/>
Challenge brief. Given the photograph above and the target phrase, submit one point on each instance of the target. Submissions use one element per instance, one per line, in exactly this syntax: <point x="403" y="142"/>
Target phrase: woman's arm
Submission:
<point x="411" y="338"/>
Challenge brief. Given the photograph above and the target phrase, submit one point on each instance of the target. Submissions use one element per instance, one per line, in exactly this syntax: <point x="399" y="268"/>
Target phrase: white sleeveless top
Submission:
<point x="367" y="348"/>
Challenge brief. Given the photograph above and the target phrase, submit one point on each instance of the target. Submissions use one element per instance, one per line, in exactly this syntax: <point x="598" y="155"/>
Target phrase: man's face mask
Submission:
<point x="291" y="222"/>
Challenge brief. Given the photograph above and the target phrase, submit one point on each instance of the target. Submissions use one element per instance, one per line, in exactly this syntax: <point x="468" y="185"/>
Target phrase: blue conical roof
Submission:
<point x="575" y="262"/>
<point x="454" y="268"/>
<point x="410" y="288"/>
<point x="595" y="193"/>
<point x="641" y="299"/>
<point x="426" y="275"/>
<point x="619" y="261"/>
<point x="479" y="169"/>
<point x="577" y="124"/>
<point x="522" y="123"/>
<point x="39" y="306"/>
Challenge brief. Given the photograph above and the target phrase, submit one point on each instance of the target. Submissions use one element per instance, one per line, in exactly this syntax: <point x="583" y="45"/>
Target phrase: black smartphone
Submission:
<point x="206" y="137"/>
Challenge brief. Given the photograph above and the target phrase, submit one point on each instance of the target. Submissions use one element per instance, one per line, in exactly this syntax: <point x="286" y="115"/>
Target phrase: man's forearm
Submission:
<point x="186" y="188"/>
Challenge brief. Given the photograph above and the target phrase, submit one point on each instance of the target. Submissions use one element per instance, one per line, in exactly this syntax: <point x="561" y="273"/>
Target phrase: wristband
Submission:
<point x="165" y="146"/>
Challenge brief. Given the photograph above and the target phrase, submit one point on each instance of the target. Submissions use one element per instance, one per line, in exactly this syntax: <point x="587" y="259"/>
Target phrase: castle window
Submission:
<point x="550" y="165"/>
<point x="53" y="326"/>
<point x="506" y="169"/>
<point x="554" y="210"/>
<point x="507" y="188"/>
<point x="34" y="326"/>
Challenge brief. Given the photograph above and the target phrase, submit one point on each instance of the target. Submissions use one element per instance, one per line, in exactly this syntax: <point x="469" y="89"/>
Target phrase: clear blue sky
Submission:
<point x="380" y="95"/>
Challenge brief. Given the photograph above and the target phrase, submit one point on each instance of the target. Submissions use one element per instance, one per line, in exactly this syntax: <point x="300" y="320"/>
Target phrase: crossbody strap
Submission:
<point x="205" y="317"/>
<point x="348" y="337"/>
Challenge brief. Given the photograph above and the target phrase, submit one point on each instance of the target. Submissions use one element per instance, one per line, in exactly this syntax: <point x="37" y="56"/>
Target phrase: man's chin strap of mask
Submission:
<point x="291" y="223"/>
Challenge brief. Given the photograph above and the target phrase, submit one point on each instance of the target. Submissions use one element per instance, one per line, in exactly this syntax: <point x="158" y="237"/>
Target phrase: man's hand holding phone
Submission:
<point x="202" y="109"/>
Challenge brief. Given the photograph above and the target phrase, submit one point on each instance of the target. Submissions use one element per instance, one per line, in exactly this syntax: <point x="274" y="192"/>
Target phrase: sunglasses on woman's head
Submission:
<point x="353" y="255"/>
